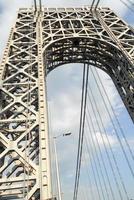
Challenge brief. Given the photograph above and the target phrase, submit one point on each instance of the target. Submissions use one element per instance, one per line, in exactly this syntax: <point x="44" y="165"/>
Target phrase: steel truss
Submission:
<point x="38" y="43"/>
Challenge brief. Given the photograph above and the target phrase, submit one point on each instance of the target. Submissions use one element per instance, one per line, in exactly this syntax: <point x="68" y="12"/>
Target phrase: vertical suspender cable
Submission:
<point x="79" y="141"/>
<point x="115" y="116"/>
<point x="81" y="129"/>
<point x="40" y="5"/>
<point x="119" y="140"/>
<point x="35" y="5"/>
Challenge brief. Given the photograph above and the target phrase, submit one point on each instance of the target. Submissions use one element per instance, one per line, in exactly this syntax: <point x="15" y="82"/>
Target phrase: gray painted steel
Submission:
<point x="38" y="43"/>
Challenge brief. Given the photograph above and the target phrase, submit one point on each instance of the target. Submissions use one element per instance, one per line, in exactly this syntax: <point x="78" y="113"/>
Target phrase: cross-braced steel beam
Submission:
<point x="38" y="43"/>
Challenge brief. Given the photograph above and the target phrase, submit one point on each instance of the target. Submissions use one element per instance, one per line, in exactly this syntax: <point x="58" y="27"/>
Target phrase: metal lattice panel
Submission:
<point x="38" y="43"/>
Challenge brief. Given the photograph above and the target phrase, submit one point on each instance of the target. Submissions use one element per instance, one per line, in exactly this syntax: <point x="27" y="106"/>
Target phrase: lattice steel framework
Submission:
<point x="38" y="43"/>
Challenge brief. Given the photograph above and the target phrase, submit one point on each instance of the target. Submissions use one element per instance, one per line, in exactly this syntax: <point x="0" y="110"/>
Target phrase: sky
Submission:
<point x="64" y="95"/>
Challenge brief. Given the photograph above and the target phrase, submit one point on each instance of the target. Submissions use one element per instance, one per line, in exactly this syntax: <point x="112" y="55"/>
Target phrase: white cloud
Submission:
<point x="65" y="105"/>
<point x="65" y="110"/>
<point x="104" y="139"/>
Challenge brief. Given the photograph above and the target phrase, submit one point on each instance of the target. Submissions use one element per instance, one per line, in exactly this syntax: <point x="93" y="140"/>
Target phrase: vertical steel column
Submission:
<point x="44" y="161"/>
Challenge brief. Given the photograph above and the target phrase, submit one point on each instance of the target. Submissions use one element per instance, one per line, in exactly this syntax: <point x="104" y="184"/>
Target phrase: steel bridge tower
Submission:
<point x="38" y="43"/>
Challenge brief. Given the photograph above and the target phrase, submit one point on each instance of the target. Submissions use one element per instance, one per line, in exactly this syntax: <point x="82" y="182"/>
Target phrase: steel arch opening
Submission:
<point x="98" y="53"/>
<point x="67" y="35"/>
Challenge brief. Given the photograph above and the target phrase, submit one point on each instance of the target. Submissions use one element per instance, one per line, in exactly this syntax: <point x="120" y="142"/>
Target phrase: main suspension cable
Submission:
<point x="111" y="120"/>
<point x="115" y="116"/>
<point x="125" y="4"/>
<point x="104" y="129"/>
<point x="132" y="3"/>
